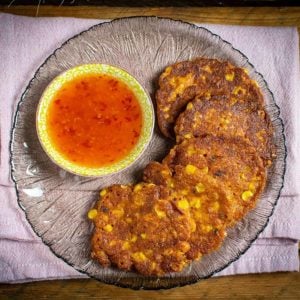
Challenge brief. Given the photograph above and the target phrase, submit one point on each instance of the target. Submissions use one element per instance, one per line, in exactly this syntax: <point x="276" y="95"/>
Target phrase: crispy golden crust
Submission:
<point x="209" y="208"/>
<point x="233" y="163"/>
<point x="181" y="82"/>
<point x="219" y="116"/>
<point x="205" y="184"/>
<point x="157" y="173"/>
<point x="190" y="213"/>
<point x="141" y="228"/>
<point x="207" y="201"/>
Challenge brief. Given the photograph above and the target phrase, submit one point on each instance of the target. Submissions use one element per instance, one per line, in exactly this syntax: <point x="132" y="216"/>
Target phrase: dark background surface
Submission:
<point x="152" y="3"/>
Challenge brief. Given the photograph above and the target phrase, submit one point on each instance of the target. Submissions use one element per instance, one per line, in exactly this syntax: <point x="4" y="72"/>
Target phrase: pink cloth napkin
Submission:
<point x="24" y="45"/>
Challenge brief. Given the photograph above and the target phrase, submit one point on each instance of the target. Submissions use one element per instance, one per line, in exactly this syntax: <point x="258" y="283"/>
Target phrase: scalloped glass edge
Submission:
<point x="281" y="158"/>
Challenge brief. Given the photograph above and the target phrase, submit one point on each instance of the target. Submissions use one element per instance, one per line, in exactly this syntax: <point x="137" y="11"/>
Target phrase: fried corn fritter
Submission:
<point x="207" y="201"/>
<point x="232" y="162"/>
<point x="181" y="82"/>
<point x="217" y="115"/>
<point x="209" y="180"/>
<point x="143" y="227"/>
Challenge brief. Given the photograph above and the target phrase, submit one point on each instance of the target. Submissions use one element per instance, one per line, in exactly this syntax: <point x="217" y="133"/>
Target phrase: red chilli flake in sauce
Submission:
<point x="94" y="120"/>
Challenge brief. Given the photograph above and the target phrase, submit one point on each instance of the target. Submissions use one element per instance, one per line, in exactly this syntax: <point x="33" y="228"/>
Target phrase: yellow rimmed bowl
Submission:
<point x="100" y="69"/>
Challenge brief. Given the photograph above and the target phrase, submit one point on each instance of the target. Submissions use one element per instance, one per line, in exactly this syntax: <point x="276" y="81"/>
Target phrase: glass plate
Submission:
<point x="56" y="202"/>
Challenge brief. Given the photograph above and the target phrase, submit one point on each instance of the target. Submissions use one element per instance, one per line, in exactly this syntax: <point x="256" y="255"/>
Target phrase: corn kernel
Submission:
<point x="184" y="192"/>
<point x="204" y="170"/>
<point x="170" y="183"/>
<point x="184" y="142"/>
<point x="203" y="77"/>
<point x="165" y="172"/>
<point x="240" y="132"/>
<point x="207" y="95"/>
<point x="261" y="113"/>
<point x="229" y="77"/>
<point x="167" y="72"/>
<point x="126" y="245"/>
<point x="260" y="135"/>
<point x="247" y="195"/>
<point x="193" y="225"/>
<point x="251" y="187"/>
<point x="168" y="252"/>
<point x="230" y="196"/>
<point x="233" y="100"/>
<point x="153" y="266"/>
<point x="133" y="238"/>
<point x="92" y="214"/>
<point x="207" y="69"/>
<point x="148" y="252"/>
<point x="195" y="202"/>
<point x="183" y="204"/>
<point x="112" y="243"/>
<point x="103" y="193"/>
<point x="238" y="89"/>
<point x="108" y="228"/>
<point x="198" y="215"/>
<point x="139" y="256"/>
<point x="143" y="235"/>
<point x="198" y="256"/>
<point x="165" y="109"/>
<point x="187" y="136"/>
<point x="206" y="228"/>
<point x="243" y="176"/>
<point x="118" y="212"/>
<point x="180" y="265"/>
<point x="191" y="150"/>
<point x="200" y="188"/>
<point x="190" y="169"/>
<point x="138" y="201"/>
<point x="128" y="220"/>
<point x="184" y="247"/>
<point x="215" y="206"/>
<point x="190" y="106"/>
<point x="160" y="213"/>
<point x="215" y="196"/>
<point x="174" y="234"/>
<point x="137" y="188"/>
<point x="224" y="121"/>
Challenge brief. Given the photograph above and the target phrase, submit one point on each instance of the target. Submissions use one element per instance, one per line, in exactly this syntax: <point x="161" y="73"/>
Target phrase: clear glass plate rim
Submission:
<point x="281" y="124"/>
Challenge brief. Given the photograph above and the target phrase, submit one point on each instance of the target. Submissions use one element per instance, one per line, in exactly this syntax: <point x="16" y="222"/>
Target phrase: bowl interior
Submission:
<point x="100" y="69"/>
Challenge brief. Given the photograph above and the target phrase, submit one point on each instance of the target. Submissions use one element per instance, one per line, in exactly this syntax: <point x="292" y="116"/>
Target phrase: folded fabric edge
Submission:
<point x="258" y="259"/>
<point x="266" y="259"/>
<point x="47" y="279"/>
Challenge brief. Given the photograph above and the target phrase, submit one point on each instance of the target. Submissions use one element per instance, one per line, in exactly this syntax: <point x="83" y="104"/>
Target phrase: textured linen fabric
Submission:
<point x="26" y="42"/>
